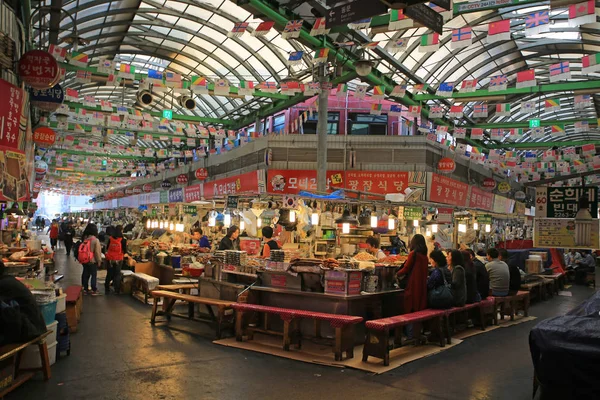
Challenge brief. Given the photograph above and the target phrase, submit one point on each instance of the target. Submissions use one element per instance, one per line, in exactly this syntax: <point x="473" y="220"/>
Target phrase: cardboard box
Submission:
<point x="533" y="266"/>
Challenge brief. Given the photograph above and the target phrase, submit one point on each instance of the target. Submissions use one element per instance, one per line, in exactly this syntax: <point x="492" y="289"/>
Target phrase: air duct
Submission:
<point x="145" y="98"/>
<point x="186" y="102"/>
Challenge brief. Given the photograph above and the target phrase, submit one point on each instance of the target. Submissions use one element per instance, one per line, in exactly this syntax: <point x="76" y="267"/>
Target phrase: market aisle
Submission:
<point x="117" y="354"/>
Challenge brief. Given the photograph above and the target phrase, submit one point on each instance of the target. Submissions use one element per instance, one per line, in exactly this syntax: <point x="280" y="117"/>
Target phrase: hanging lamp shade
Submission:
<point x="347" y="218"/>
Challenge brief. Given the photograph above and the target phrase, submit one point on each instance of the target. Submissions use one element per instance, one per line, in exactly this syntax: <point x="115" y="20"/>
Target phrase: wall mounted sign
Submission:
<point x="44" y="136"/>
<point x="488" y="184"/>
<point x="504" y="187"/>
<point x="446" y="165"/>
<point x="201" y="174"/>
<point x="47" y="99"/>
<point x="39" y="69"/>
<point x="563" y="202"/>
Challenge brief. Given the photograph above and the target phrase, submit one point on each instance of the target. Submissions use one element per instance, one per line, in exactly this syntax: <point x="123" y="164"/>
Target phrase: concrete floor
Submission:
<point x="117" y="354"/>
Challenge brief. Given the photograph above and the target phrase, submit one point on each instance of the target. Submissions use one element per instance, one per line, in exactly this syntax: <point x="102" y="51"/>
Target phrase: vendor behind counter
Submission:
<point x="231" y="241"/>
<point x="270" y="244"/>
<point x="374" y="248"/>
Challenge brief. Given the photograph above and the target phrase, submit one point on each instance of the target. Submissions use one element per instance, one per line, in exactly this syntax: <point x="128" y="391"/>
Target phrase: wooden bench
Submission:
<point x="378" y="332"/>
<point x="558" y="279"/>
<point x="487" y="307"/>
<point x="343" y="325"/>
<point x="511" y="305"/>
<point x="14" y="351"/>
<point x="534" y="289"/>
<point x="177" y="288"/>
<point x="144" y="283"/>
<point x="450" y="315"/>
<point x="548" y="288"/>
<point x="74" y="306"/>
<point x="172" y="297"/>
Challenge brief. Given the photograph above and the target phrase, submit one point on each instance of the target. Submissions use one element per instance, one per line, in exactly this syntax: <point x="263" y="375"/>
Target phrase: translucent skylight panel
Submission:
<point x="236" y="49"/>
<point x="179" y="6"/>
<point x="222" y="22"/>
<point x="185" y="36"/>
<point x="170" y="19"/>
<point x="232" y="9"/>
<point x="209" y="47"/>
<point x="211" y="33"/>
<point x="160" y="29"/>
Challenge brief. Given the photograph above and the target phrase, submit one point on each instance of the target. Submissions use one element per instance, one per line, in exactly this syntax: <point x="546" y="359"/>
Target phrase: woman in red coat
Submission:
<point x="415" y="294"/>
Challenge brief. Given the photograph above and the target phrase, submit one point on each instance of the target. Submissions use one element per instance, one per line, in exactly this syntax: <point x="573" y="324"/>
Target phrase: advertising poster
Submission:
<point x="562" y="202"/>
<point x="13" y="175"/>
<point x="447" y="190"/>
<point x="565" y="233"/>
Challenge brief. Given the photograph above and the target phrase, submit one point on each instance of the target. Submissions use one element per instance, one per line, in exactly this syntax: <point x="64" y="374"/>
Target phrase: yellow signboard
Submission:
<point x="566" y="233"/>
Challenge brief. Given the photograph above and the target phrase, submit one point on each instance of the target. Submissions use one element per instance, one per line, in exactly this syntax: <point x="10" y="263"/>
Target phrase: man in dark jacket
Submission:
<point x="515" y="272"/>
<point x="20" y="317"/>
<point x="482" y="276"/>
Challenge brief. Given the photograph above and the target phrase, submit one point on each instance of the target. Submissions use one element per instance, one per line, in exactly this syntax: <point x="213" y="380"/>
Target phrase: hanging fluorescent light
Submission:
<point x="227" y="220"/>
<point x="462" y="228"/>
<point x="427" y="233"/>
<point x="314" y="219"/>
<point x="416" y="223"/>
<point x="345" y="227"/>
<point x="476" y="225"/>
<point x="373" y="221"/>
<point x="161" y="224"/>
<point x="292" y="216"/>
<point x="391" y="223"/>
<point x="172" y="226"/>
<point x="212" y="221"/>
<point x="258" y="222"/>
<point x="242" y="225"/>
<point x="488" y="228"/>
<point x="434" y="228"/>
<point x="148" y="223"/>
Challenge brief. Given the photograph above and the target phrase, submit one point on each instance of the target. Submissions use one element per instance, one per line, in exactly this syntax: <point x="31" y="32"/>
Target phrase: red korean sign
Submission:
<point x="11" y="104"/>
<point x="245" y="183"/>
<point x="444" y="215"/>
<point x="378" y="182"/>
<point x="489" y="184"/>
<point x="481" y="199"/>
<point x="44" y="136"/>
<point x="446" y="165"/>
<point x="147" y="188"/>
<point x="201" y="174"/>
<point x="287" y="181"/>
<point x="192" y="193"/>
<point x="39" y="69"/>
<point x="448" y="191"/>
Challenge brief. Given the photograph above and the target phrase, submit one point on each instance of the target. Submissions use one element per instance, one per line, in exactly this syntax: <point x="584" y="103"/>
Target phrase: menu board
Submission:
<point x="448" y="191"/>
<point x="563" y="202"/>
<point x="481" y="199"/>
<point x="565" y="233"/>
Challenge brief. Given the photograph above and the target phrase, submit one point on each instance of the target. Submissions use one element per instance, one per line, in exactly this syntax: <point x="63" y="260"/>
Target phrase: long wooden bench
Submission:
<point x="14" y="351"/>
<point x="184" y="288"/>
<point x="74" y="306"/>
<point x="343" y="325"/>
<point x="171" y="297"/>
<point x="378" y="332"/>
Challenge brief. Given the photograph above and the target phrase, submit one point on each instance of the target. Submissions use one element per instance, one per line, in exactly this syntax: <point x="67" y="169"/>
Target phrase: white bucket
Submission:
<point x="34" y="244"/>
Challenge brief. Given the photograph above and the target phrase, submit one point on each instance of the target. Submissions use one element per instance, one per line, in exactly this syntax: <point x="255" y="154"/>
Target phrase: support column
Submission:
<point x="322" y="133"/>
<point x="258" y="126"/>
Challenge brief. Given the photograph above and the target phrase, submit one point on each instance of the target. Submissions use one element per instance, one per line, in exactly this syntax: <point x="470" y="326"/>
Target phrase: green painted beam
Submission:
<point x="543" y="145"/>
<point x="541" y="89"/>
<point x="103" y="155"/>
<point x="525" y="124"/>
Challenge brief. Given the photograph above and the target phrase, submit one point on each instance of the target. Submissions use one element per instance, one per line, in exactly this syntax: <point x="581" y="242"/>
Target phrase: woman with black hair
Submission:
<point x="270" y="244"/>
<point x="415" y="267"/>
<point x="231" y="241"/>
<point x="459" y="281"/>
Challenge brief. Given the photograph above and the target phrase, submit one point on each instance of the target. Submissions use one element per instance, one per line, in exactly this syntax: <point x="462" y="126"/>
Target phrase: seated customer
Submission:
<point x="499" y="274"/>
<point x="271" y="244"/>
<point x="481" y="276"/>
<point x="471" y="279"/>
<point x="459" y="281"/>
<point x="515" y="272"/>
<point x="436" y="279"/>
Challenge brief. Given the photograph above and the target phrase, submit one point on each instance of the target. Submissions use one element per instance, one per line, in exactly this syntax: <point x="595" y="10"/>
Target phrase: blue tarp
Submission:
<point x="337" y="195"/>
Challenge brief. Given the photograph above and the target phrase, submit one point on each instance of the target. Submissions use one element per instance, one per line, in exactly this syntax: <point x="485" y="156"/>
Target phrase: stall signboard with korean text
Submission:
<point x="176" y="195"/>
<point x="192" y="193"/>
<point x="14" y="183"/>
<point x="563" y="202"/>
<point x="201" y="174"/>
<point x="376" y="182"/>
<point x="446" y="165"/>
<point x="413" y="213"/>
<point x="481" y="199"/>
<point x="503" y="205"/>
<point x="564" y="233"/>
<point x="10" y="114"/>
<point x="164" y="197"/>
<point x="484" y="219"/>
<point x="189" y="209"/>
<point x="239" y="184"/>
<point x="293" y="181"/>
<point x="39" y="69"/>
<point x="444" y="215"/>
<point x="447" y="191"/>
<point x="233" y="202"/>
<point x="47" y="99"/>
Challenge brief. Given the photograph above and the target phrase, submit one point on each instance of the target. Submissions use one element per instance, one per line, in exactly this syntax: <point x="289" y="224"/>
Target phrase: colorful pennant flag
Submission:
<point x="292" y="29"/>
<point x="590" y="63"/>
<point x="321" y="56"/>
<point x="83" y="76"/>
<point x="269" y="87"/>
<point x="461" y="37"/>
<point x="312" y="89"/>
<point x="420" y="87"/>
<point x="497" y="135"/>
<point x="154" y="76"/>
<point x="397" y="45"/>
<point x="376" y="109"/>
<point x="71" y="94"/>
<point x="430" y="43"/>
<point x="173" y="79"/>
<point x="528" y="107"/>
<point x="342" y="91"/>
<point x="456" y="111"/>
<point x="468" y="86"/>
<point x="414" y="111"/>
<point x="399" y="21"/>
<point x="436" y="112"/>
<point x="552" y="105"/>
<point x="503" y="110"/>
<point x="526" y="79"/>
<point x="263" y="28"/>
<point x="480" y="110"/>
<point x="441" y="129"/>
<point x="106" y="105"/>
<point x="113" y="80"/>
<point x="395" y="110"/>
<point x="582" y="13"/>
<point x="89" y="101"/>
<point x="537" y="133"/>
<point x="398" y="91"/>
<point x="295" y="58"/>
<point x="221" y="87"/>
<point x="537" y="22"/>
<point x="360" y="24"/>
<point x="199" y="85"/>
<point x="238" y="29"/>
<point x="560" y="71"/>
<point x="588" y="149"/>
<point x="126" y="71"/>
<point x="498" y="31"/>
<point x="477" y="134"/>
<point x="57" y="52"/>
<point x="498" y="82"/>
<point x="361" y="91"/>
<point x="246" y="88"/>
<point x="378" y="93"/>
<point x="370" y="45"/>
<point x="558" y="130"/>
<point x="79" y="59"/>
<point x="582" y="126"/>
<point x="445" y="89"/>
<point x="582" y="101"/>
<point x="319" y="28"/>
<point x="460" y="133"/>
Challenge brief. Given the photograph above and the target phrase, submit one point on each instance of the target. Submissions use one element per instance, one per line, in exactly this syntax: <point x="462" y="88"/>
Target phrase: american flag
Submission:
<point x="582" y="101"/>
<point x="172" y="77"/>
<point x="536" y="19"/>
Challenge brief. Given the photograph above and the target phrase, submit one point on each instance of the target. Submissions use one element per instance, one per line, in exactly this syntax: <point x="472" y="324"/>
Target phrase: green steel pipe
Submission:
<point x="543" y="145"/>
<point x="25" y="19"/>
<point x="525" y="124"/>
<point x="103" y="155"/>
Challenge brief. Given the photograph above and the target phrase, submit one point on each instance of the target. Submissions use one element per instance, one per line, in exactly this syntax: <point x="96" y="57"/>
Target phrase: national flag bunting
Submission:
<point x="456" y="111"/>
<point x="106" y="105"/>
<point x="558" y="130"/>
<point x="498" y="82"/>
<point x="420" y="87"/>
<point x="269" y="87"/>
<point x="154" y="76"/>
<point x="295" y="58"/>
<point x="445" y="89"/>
<point x="537" y="22"/>
<point x="378" y="93"/>
<point x="59" y="53"/>
<point x="537" y="133"/>
<point x="71" y="94"/>
<point x="582" y="126"/>
<point x="497" y="134"/>
<point x="582" y="13"/>
<point x="376" y="109"/>
<point x="292" y="29"/>
<point x="312" y="88"/>
<point x="199" y="85"/>
<point x="552" y="105"/>
<point x="397" y="45"/>
<point x="582" y="101"/>
<point x="588" y="149"/>
<point x="560" y="71"/>
<point x="460" y="133"/>
<point x="321" y="56"/>
<point x="462" y="37"/>
<point x="360" y="24"/>
<point x="126" y="71"/>
<point x="79" y="59"/>
<point x="342" y="91"/>
<point x="173" y="79"/>
<point x="480" y="110"/>
<point x="528" y="107"/>
<point x="319" y="28"/>
<point x="395" y="110"/>
<point x="526" y="79"/>
<point x="221" y="87"/>
<point x="477" y="133"/>
<point x="503" y="110"/>
<point x="590" y="63"/>
<point x="361" y="91"/>
<point x="429" y="43"/>
<point x="263" y="28"/>
<point x="113" y="80"/>
<point x="436" y="112"/>
<point x="246" y="88"/>
<point x="441" y="129"/>
<point x="83" y="76"/>
<point x="498" y="31"/>
<point x="89" y="101"/>
<point x="238" y="29"/>
<point x="399" y="91"/>
<point x="399" y="21"/>
<point x="414" y="111"/>
<point x="468" y="86"/>
<point x="106" y="66"/>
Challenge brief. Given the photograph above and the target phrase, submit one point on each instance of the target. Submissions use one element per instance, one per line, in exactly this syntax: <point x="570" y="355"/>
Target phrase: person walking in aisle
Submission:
<point x="90" y="256"/>
<point x="117" y="247"/>
<point x="53" y="233"/>
<point x="68" y="235"/>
